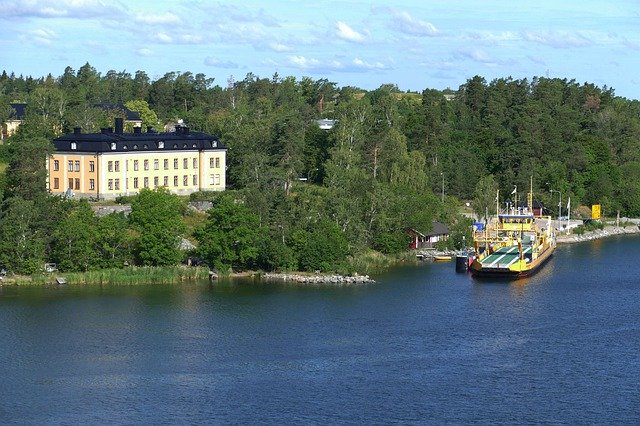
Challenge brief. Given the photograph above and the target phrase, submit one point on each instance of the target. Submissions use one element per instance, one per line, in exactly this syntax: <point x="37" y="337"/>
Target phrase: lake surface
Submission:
<point x="423" y="345"/>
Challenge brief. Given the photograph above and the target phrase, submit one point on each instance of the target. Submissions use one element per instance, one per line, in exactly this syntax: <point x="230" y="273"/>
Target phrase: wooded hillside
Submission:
<point x="383" y="167"/>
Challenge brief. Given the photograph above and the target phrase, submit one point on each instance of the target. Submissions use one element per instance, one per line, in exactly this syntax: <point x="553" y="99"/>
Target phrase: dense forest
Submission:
<point x="302" y="198"/>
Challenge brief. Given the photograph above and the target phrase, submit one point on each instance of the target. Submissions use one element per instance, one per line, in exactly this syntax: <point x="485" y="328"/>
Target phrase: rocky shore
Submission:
<point x="608" y="231"/>
<point x="319" y="279"/>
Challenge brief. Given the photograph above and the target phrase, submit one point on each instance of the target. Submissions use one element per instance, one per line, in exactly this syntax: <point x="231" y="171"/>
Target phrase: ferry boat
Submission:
<point x="516" y="243"/>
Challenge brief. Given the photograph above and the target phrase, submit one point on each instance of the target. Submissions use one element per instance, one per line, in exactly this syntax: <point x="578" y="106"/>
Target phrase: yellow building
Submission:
<point x="112" y="163"/>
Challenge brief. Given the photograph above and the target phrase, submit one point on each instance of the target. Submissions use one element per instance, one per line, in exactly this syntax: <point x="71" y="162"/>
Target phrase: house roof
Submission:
<point x="129" y="115"/>
<point x="109" y="141"/>
<point x="438" y="229"/>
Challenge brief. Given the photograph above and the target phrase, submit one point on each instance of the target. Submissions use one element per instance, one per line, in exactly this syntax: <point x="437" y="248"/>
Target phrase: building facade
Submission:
<point x="112" y="163"/>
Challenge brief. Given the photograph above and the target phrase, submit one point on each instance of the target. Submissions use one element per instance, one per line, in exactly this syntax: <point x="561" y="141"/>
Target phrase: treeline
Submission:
<point x="393" y="160"/>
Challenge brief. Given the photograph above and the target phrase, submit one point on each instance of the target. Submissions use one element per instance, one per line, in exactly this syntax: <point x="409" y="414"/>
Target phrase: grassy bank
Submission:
<point x="128" y="276"/>
<point x="369" y="263"/>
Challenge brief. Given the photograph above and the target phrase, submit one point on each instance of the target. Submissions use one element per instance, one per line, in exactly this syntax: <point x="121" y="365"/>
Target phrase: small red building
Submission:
<point x="439" y="232"/>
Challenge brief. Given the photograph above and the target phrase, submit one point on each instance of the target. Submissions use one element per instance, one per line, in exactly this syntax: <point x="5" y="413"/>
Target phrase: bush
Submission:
<point x="391" y="242"/>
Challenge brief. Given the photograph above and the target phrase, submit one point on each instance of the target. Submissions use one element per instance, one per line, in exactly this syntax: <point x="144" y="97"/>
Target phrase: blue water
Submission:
<point x="423" y="345"/>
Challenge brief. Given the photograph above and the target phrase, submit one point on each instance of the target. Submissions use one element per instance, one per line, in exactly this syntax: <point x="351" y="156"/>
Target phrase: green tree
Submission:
<point x="231" y="236"/>
<point x="484" y="197"/>
<point x="22" y="244"/>
<point x="324" y="247"/>
<point x="26" y="171"/>
<point x="149" y="117"/>
<point x="157" y="216"/>
<point x="114" y="242"/>
<point x="74" y="239"/>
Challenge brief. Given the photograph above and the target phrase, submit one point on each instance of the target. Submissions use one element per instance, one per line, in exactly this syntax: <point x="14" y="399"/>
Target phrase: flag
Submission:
<point x="515" y="188"/>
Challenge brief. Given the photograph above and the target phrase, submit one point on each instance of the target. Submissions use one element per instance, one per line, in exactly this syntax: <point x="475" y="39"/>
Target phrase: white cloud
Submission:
<point x="163" y="38"/>
<point x="214" y="62"/>
<point x="347" y="33"/>
<point x="41" y="37"/>
<point x="406" y="23"/>
<point x="144" y="52"/>
<point x="359" y="63"/>
<point x="279" y="47"/>
<point x="479" y="55"/>
<point x="164" y="19"/>
<point x="558" y="40"/>
<point x="303" y="62"/>
<point x="73" y="9"/>
<point x="492" y="37"/>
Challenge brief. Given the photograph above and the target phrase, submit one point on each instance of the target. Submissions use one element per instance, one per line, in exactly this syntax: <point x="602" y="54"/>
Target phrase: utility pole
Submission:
<point x="442" y="174"/>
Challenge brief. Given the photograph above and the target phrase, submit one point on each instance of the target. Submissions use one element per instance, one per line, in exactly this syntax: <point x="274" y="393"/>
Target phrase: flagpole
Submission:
<point x="568" y="213"/>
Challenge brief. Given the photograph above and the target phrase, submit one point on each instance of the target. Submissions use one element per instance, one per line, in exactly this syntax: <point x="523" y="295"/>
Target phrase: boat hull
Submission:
<point x="480" y="270"/>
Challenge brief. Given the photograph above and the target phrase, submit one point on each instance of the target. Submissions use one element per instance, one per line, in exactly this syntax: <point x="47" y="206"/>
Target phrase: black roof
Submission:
<point x="109" y="141"/>
<point x="128" y="114"/>
<point x="19" y="111"/>
<point x="438" y="229"/>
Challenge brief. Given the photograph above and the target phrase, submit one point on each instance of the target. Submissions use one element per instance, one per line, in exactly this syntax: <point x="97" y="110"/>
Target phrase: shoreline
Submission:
<point x="608" y="231"/>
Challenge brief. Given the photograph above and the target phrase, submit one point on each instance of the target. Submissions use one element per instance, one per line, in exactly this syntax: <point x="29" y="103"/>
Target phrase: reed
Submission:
<point x="129" y="276"/>
<point x="372" y="262"/>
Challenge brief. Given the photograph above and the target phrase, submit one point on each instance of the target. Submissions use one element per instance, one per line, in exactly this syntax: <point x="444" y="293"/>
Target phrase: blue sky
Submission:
<point x="413" y="44"/>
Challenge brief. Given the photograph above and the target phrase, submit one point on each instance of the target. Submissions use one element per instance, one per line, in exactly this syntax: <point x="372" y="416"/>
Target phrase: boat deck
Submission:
<point x="504" y="257"/>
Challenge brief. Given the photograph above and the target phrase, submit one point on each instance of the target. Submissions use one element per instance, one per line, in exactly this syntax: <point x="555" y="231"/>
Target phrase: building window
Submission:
<point x="146" y="164"/>
<point x="117" y="166"/>
<point x="216" y="180"/>
<point x="110" y="166"/>
<point x="56" y="165"/>
<point x="135" y="183"/>
<point x="185" y="180"/>
<point x="195" y="180"/>
<point x="166" y="181"/>
<point x="217" y="162"/>
<point x="113" y="146"/>
<point x="146" y="182"/>
<point x="161" y="144"/>
<point x="210" y="179"/>
<point x="77" y="165"/>
<point x="116" y="183"/>
<point x="156" y="179"/>
<point x="56" y="183"/>
<point x="211" y="163"/>
<point x="135" y="165"/>
<point x="92" y="184"/>
<point x="175" y="163"/>
<point x="185" y="163"/>
<point x="92" y="166"/>
<point x="195" y="163"/>
<point x="70" y="166"/>
<point x="175" y="181"/>
<point x="166" y="164"/>
<point x="70" y="183"/>
<point x="77" y="184"/>
<point x="73" y="145"/>
<point x="156" y="164"/>
<point x="110" y="184"/>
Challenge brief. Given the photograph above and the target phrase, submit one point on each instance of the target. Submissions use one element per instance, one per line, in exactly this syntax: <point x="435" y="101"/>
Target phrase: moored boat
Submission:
<point x="442" y="258"/>
<point x="515" y="244"/>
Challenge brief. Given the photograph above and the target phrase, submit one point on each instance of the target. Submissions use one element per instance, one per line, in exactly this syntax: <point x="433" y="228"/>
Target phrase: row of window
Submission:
<point x="114" y="166"/>
<point x="159" y="145"/>
<point x="114" y="184"/>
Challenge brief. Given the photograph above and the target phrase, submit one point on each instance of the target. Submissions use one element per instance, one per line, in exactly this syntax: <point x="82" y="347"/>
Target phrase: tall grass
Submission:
<point x="372" y="262"/>
<point x="129" y="276"/>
